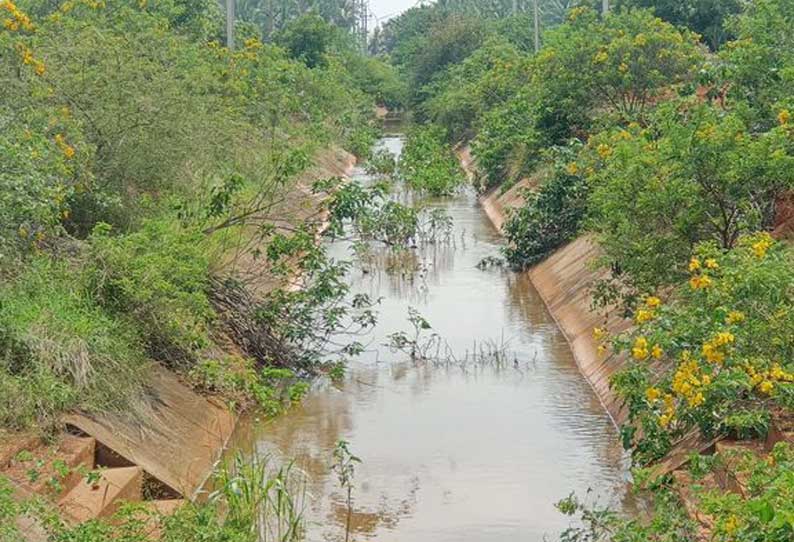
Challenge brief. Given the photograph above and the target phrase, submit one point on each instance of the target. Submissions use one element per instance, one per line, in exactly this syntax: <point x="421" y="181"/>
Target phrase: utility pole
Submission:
<point x="365" y="26"/>
<point x="537" y="26"/>
<point x="515" y="7"/>
<point x="230" y="24"/>
<point x="605" y="7"/>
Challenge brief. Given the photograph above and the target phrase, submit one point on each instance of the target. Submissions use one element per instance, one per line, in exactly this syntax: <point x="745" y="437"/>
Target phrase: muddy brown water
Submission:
<point x="457" y="451"/>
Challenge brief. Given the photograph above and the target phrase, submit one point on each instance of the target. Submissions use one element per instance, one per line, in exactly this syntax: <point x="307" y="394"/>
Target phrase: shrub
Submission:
<point x="41" y="170"/>
<point x="696" y="174"/>
<point x="461" y="95"/>
<point x="429" y="164"/>
<point x="157" y="278"/>
<point x="550" y="216"/>
<point x="507" y="132"/>
<point x="724" y="346"/>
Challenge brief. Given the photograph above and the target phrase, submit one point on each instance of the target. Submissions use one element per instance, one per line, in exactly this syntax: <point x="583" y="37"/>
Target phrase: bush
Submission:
<point x="696" y="174"/>
<point x="550" y="216"/>
<point x="508" y="144"/>
<point x="724" y="346"/>
<point x="462" y="94"/>
<point x="157" y="278"/>
<point x="429" y="164"/>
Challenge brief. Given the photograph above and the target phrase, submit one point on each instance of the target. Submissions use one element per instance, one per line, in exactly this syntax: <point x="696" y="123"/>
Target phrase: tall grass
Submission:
<point x="58" y="350"/>
<point x="263" y="495"/>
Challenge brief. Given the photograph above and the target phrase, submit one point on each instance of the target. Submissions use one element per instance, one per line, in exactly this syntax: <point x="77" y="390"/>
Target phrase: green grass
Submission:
<point x="58" y="349"/>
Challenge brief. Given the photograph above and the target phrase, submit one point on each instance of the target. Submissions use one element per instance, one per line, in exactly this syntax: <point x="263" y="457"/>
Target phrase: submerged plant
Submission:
<point x="345" y="468"/>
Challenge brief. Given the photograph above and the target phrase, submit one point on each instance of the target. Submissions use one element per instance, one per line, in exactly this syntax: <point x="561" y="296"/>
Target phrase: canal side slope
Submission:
<point x="174" y="436"/>
<point x="564" y="282"/>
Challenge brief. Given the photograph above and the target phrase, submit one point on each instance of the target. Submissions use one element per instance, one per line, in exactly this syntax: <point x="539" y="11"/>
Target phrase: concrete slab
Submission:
<point x="102" y="500"/>
<point x="174" y="434"/>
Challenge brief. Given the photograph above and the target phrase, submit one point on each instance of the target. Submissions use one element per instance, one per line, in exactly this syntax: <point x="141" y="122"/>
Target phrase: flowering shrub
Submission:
<point x="721" y="348"/>
<point x="694" y="174"/>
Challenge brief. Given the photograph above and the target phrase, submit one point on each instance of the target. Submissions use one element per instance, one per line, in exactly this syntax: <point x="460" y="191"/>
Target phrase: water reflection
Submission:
<point x="457" y="452"/>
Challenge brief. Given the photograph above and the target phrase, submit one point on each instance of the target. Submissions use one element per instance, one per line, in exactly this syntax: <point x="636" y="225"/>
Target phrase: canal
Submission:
<point x="461" y="449"/>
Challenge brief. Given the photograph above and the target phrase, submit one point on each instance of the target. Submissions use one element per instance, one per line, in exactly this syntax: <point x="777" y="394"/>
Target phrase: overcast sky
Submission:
<point x="389" y="8"/>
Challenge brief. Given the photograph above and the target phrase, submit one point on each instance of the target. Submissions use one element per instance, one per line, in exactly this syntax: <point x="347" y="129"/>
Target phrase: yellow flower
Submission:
<point x="640" y="349"/>
<point x="783" y="117"/>
<point x="761" y="247"/>
<point x="643" y="316"/>
<point x="705" y="379"/>
<point x="599" y="333"/>
<point x="653" y="302"/>
<point x="623" y="68"/>
<point x="253" y="43"/>
<point x="640" y="40"/>
<point x="67" y="150"/>
<point x="724" y="337"/>
<point x="700" y="282"/>
<point x="766" y="387"/>
<point x="572" y="168"/>
<point x="27" y="56"/>
<point x="657" y="351"/>
<point x="664" y="420"/>
<point x="604" y="151"/>
<point x="696" y="400"/>
<point x="711" y="263"/>
<point x="574" y="13"/>
<point x="713" y="354"/>
<point x="734" y="317"/>
<point x="694" y="265"/>
<point x="731" y="525"/>
<point x="600" y="57"/>
<point x="652" y="394"/>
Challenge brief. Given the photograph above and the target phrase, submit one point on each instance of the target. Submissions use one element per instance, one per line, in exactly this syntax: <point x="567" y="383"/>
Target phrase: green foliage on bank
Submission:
<point x="428" y="163"/>
<point x="60" y="349"/>
<point x="136" y="152"/>
<point x="256" y="499"/>
<point x="550" y="216"/>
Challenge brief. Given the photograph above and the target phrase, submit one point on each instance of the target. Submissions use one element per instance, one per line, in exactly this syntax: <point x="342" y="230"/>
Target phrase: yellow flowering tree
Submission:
<point x="695" y="174"/>
<point x="718" y="354"/>
<point x="621" y="62"/>
<point x="42" y="152"/>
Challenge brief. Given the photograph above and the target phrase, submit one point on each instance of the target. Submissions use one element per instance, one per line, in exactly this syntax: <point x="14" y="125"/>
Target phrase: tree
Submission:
<point x="760" y="63"/>
<point x="624" y="61"/>
<point x="696" y="174"/>
<point x="310" y="38"/>
<point x="706" y="17"/>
